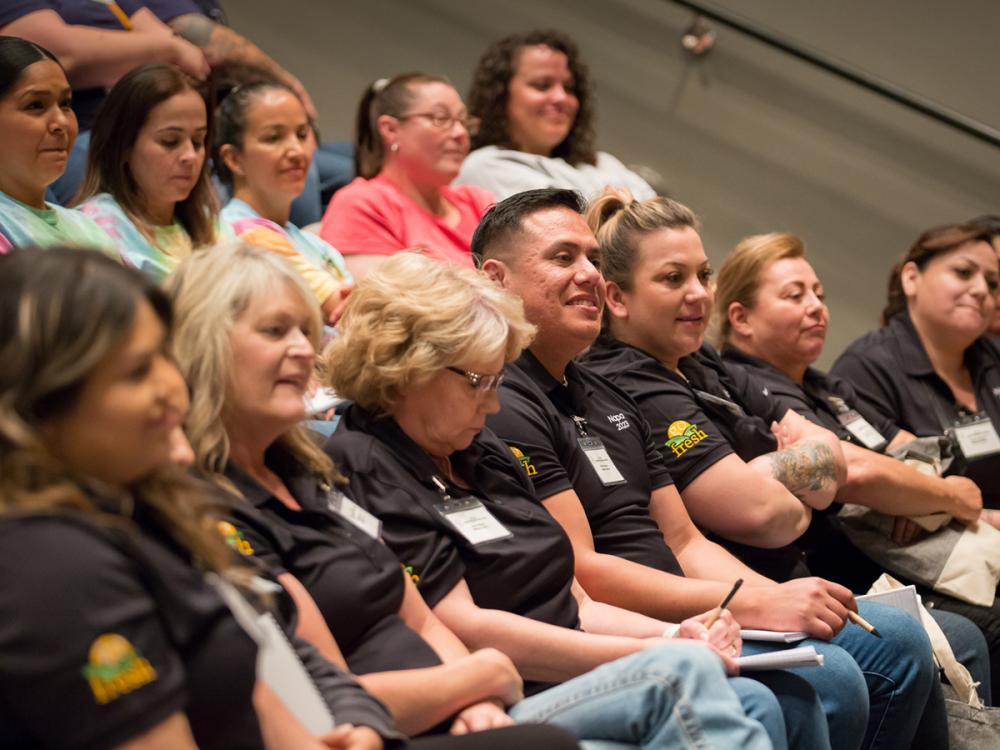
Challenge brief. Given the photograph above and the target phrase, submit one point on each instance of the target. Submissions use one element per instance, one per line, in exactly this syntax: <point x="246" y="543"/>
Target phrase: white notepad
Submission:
<point x="906" y="599"/>
<point x="804" y="656"/>
<point x="773" y="636"/>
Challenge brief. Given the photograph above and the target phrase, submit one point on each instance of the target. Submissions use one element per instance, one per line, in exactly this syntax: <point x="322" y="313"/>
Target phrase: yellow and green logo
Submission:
<point x="234" y="538"/>
<point x="408" y="569"/>
<point x="115" y="668"/>
<point x="529" y="468"/>
<point x="682" y="436"/>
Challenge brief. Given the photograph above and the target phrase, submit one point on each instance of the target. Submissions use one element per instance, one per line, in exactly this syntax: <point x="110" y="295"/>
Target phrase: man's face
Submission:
<point x="556" y="270"/>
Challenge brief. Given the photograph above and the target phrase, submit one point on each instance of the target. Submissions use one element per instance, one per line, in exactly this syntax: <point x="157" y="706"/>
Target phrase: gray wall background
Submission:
<point x="752" y="140"/>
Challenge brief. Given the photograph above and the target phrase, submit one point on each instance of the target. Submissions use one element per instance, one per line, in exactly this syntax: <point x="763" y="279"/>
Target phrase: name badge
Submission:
<point x="977" y="437"/>
<point x="606" y="470"/>
<point x="349" y="510"/>
<point x="862" y="429"/>
<point x="472" y="520"/>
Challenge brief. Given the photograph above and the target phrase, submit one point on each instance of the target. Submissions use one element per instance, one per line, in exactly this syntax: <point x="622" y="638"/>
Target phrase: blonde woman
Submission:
<point x="246" y="331"/>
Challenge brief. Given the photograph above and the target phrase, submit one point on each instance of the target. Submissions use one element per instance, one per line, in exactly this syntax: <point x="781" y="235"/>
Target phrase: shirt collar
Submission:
<point x="912" y="355"/>
<point x="570" y="396"/>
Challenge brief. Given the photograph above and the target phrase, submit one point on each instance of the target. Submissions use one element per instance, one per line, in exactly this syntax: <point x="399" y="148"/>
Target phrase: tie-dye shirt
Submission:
<point x="314" y="258"/>
<point x="157" y="258"/>
<point x="23" y="226"/>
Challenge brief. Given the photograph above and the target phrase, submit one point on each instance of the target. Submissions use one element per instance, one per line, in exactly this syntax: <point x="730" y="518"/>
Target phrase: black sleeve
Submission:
<point x="86" y="661"/>
<point x="671" y="415"/>
<point x="878" y="394"/>
<point x="659" y="474"/>
<point x="11" y="10"/>
<point x="347" y="700"/>
<point x="535" y="439"/>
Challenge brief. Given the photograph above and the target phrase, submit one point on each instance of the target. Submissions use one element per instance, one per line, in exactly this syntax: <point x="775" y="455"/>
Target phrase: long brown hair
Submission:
<point x="490" y="91"/>
<point x="122" y="114"/>
<point x="62" y="311"/>
<point x="929" y="245"/>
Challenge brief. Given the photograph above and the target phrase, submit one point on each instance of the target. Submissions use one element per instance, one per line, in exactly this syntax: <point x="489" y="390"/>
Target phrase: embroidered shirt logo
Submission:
<point x="115" y="668"/>
<point x="619" y="421"/>
<point x="682" y="436"/>
<point x="525" y="461"/>
<point x="408" y="569"/>
<point x="234" y="538"/>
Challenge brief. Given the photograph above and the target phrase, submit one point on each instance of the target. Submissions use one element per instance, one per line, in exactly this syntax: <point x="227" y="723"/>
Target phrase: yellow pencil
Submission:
<point x="861" y="622"/>
<point x="717" y="612"/>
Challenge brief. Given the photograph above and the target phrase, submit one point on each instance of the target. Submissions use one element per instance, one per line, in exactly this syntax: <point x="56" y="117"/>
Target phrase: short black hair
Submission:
<point x="505" y="219"/>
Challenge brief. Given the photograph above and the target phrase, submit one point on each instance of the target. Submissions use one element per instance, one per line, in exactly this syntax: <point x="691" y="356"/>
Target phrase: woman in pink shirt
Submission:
<point x="412" y="135"/>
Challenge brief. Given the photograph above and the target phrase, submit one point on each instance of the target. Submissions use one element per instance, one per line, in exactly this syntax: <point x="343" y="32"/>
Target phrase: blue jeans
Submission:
<point x="671" y="696"/>
<point x="876" y="692"/>
<point x="332" y="167"/>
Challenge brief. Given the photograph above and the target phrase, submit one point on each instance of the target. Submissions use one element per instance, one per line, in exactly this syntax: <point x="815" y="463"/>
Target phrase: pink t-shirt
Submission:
<point x="374" y="217"/>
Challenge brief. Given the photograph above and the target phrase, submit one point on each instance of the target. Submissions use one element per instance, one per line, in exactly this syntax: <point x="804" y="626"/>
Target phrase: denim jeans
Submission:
<point x="671" y="696"/>
<point x="876" y="692"/>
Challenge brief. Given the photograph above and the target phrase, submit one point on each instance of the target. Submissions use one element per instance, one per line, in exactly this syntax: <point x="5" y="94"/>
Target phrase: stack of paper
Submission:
<point x="773" y="636"/>
<point x="804" y="656"/>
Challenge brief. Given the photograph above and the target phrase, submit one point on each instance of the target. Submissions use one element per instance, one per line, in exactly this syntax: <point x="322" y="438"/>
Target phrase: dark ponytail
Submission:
<point x="382" y="97"/>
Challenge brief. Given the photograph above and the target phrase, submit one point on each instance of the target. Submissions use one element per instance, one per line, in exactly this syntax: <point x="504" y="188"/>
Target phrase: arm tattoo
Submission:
<point x="807" y="466"/>
<point x="193" y="27"/>
<point x="223" y="45"/>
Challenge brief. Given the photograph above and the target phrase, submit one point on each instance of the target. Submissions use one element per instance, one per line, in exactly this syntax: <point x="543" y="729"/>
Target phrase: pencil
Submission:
<point x="717" y="612"/>
<point x="861" y="622"/>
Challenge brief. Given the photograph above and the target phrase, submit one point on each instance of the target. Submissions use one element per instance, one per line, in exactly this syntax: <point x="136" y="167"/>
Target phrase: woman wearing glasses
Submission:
<point x="411" y="137"/>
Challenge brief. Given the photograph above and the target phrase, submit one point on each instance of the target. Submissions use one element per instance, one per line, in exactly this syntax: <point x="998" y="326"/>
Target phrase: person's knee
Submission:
<point x="906" y="648"/>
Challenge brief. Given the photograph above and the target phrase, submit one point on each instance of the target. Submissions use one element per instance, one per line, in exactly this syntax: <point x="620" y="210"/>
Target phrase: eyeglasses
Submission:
<point x="442" y="121"/>
<point x="482" y="383"/>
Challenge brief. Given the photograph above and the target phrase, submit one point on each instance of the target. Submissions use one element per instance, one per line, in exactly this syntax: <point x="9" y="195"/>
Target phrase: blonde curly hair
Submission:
<point x="413" y="316"/>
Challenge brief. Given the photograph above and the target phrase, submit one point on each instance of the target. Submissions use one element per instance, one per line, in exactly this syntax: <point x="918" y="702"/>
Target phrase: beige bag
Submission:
<point x="971" y="725"/>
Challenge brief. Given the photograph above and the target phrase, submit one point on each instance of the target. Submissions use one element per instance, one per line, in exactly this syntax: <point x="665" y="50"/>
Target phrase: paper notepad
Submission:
<point x="906" y="599"/>
<point x="773" y="636"/>
<point x="804" y="656"/>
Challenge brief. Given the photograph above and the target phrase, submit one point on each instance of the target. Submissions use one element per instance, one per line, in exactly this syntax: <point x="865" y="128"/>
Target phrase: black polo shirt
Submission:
<point x="536" y="420"/>
<point x="105" y="633"/>
<point x="822" y="398"/>
<point x="529" y="572"/>
<point x="890" y="369"/>
<point x="698" y="419"/>
<point x="356" y="581"/>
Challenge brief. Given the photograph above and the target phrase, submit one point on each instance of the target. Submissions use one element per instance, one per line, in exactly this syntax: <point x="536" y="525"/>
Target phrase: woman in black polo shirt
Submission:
<point x="773" y="322"/>
<point x="421" y="351"/>
<point x="247" y="326"/>
<point x="112" y="633"/>
<point x="929" y="368"/>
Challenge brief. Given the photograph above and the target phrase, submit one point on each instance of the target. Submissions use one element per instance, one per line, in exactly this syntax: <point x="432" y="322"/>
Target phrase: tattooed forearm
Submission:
<point x="806" y="467"/>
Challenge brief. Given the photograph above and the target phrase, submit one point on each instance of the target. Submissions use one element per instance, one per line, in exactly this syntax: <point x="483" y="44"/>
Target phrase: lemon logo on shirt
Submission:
<point x="682" y="436"/>
<point x="525" y="461"/>
<point x="115" y="668"/>
<point x="234" y="538"/>
<point x="408" y="569"/>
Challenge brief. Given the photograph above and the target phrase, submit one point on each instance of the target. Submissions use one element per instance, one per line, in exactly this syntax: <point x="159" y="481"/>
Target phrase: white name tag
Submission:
<point x="862" y="429"/>
<point x="473" y="521"/>
<point x="606" y="470"/>
<point x="977" y="438"/>
<point x="349" y="510"/>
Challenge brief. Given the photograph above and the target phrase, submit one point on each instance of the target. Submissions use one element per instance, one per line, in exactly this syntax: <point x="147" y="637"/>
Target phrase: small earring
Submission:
<point x="394" y="147"/>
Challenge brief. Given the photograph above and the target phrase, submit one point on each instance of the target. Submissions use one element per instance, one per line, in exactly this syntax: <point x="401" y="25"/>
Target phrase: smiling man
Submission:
<point x="598" y="472"/>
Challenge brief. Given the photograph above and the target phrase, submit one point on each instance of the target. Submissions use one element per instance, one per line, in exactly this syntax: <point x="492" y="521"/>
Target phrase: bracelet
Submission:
<point x="670" y="631"/>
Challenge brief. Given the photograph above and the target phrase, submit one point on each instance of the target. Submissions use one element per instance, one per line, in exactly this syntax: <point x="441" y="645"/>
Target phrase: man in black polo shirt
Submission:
<point x="587" y="449"/>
